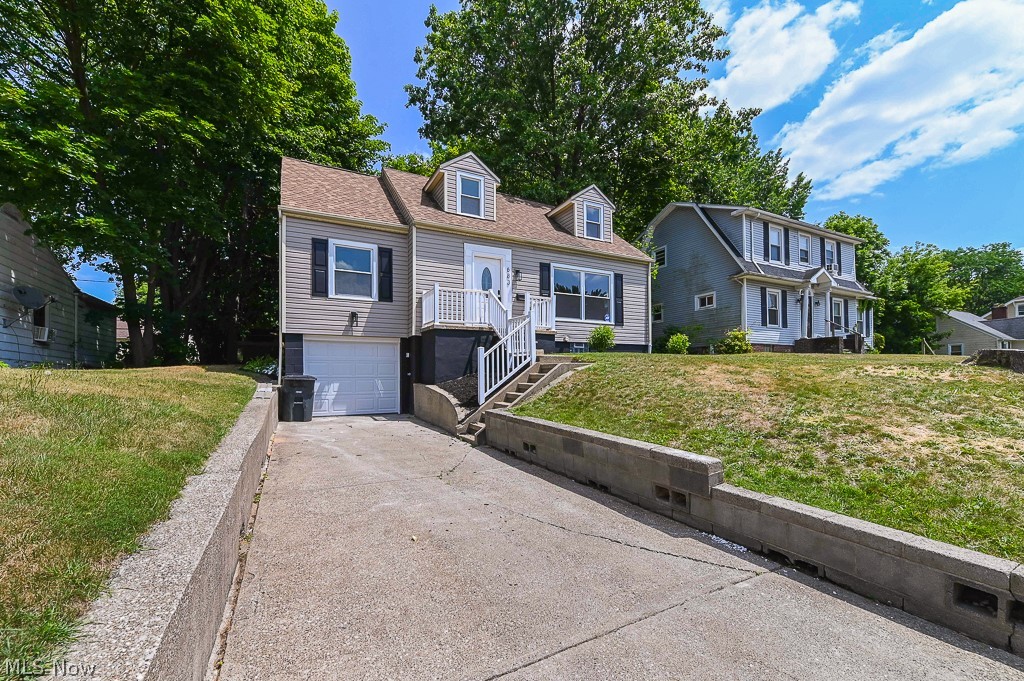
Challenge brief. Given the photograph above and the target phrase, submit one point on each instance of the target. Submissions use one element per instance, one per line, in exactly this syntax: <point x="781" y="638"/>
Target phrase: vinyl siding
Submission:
<point x="973" y="339"/>
<point x="592" y="196"/>
<point x="566" y="219"/>
<point x="731" y="226"/>
<point x="756" y="250"/>
<point x="23" y="262"/>
<point x="440" y="258"/>
<point x="468" y="165"/>
<point x="772" y="335"/>
<point x="305" y="313"/>
<point x="439" y="192"/>
<point x="696" y="262"/>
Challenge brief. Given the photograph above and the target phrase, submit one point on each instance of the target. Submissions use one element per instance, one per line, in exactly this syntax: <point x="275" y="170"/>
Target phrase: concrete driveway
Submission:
<point x="384" y="549"/>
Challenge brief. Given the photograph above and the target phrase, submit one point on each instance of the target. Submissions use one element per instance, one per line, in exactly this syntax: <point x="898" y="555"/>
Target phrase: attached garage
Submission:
<point x="353" y="376"/>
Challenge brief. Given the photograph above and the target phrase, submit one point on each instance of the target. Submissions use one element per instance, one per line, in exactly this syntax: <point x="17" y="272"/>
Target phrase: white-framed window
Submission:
<point x="661" y="256"/>
<point x="581" y="294"/>
<point x="838" y="323"/>
<point x="593" y="220"/>
<point x="830" y="253"/>
<point x="1020" y="309"/>
<point x="41" y="321"/>
<point x="774" y="303"/>
<point x="470" y="194"/>
<point x="1004" y="345"/>
<point x="353" y="268"/>
<point x="775" y="244"/>
<point x="657" y="313"/>
<point x="804" y="249"/>
<point x="956" y="348"/>
<point x="704" y="301"/>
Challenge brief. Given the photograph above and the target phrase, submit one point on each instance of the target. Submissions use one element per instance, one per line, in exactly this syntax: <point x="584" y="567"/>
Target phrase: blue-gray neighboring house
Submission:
<point x="725" y="267"/>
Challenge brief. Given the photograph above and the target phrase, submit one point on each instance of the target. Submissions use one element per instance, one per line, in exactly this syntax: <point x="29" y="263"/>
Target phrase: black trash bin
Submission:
<point x="296" y="399"/>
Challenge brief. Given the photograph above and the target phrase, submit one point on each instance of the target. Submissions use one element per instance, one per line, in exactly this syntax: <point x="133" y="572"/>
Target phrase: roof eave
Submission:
<point x="799" y="224"/>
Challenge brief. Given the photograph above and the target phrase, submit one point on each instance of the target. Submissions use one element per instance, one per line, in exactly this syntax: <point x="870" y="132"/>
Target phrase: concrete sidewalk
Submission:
<point x="385" y="549"/>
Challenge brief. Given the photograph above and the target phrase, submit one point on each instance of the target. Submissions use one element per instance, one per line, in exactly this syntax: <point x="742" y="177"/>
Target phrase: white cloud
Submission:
<point x="951" y="93"/>
<point x="776" y="50"/>
<point x="880" y="43"/>
<point x="721" y="10"/>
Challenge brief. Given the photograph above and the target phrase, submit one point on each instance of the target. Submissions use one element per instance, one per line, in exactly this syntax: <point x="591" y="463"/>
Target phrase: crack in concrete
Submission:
<point x="625" y="625"/>
<point x="450" y="471"/>
<point x="634" y="546"/>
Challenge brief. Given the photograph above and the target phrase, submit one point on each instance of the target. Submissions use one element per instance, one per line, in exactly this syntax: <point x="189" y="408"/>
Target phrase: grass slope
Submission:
<point x="88" y="461"/>
<point x="922" y="444"/>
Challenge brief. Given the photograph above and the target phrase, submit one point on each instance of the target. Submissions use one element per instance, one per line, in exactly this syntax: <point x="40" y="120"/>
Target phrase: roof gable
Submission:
<point x="462" y="160"/>
<point x="572" y="199"/>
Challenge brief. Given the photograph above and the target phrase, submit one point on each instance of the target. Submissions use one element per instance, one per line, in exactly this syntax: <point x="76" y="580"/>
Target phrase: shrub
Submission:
<point x="264" y="364"/>
<point x="661" y="342"/>
<point x="878" y="342"/>
<point x="602" y="338"/>
<point x="4" y="365"/>
<point x="678" y="344"/>
<point x="736" y="342"/>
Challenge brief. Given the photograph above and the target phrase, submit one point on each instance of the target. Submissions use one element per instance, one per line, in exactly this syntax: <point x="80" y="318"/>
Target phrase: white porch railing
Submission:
<point x="542" y="310"/>
<point x="516" y="350"/>
<point x="464" y="307"/>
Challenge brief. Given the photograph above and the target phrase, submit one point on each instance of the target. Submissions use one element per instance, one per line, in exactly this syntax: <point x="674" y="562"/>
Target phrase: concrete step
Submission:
<point x="468" y="437"/>
<point x="533" y="378"/>
<point x="512" y="396"/>
<point x="476" y="427"/>
<point x="502" y="405"/>
<point x="523" y="386"/>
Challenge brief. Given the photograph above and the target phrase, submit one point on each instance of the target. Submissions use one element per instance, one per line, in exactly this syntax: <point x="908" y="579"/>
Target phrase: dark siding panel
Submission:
<point x="385" y="277"/>
<point x="620" y="310"/>
<point x="545" y="279"/>
<point x="320" y="268"/>
<point x="764" y="306"/>
<point x="785" y="309"/>
<point x="767" y="247"/>
<point x="785" y="241"/>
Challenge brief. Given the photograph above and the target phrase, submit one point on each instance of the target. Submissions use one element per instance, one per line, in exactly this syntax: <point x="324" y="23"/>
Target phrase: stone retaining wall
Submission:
<point x="1009" y="359"/>
<point x="165" y="603"/>
<point x="970" y="592"/>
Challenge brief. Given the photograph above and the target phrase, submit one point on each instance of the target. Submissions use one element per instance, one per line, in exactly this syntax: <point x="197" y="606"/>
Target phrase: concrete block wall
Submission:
<point x="976" y="594"/>
<point x="1010" y="359"/>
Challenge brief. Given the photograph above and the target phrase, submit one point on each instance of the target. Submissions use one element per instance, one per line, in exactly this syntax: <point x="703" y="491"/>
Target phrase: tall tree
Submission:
<point x="556" y="94"/>
<point x="992" y="274"/>
<point x="149" y="132"/>
<point x="914" y="286"/>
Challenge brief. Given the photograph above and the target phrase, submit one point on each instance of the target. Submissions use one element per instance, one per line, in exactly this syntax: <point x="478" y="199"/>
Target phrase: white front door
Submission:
<point x="837" y="318"/>
<point x="488" y="274"/>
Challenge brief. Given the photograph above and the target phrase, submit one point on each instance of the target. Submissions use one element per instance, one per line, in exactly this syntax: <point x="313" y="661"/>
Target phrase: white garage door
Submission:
<point x="353" y="376"/>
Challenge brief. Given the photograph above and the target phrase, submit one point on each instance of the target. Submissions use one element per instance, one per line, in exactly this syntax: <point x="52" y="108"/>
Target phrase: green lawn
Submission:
<point x="88" y="461"/>
<point x="922" y="444"/>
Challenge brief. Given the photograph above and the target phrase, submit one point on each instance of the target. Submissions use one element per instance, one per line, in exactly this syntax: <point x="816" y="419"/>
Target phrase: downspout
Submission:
<point x="650" y="310"/>
<point x="281" y="293"/>
<point x="412" y="293"/>
<point x="74" y="353"/>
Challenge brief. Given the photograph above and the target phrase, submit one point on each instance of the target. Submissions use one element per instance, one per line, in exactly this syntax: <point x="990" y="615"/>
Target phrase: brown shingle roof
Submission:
<point x="322" y="189"/>
<point x="516" y="217"/>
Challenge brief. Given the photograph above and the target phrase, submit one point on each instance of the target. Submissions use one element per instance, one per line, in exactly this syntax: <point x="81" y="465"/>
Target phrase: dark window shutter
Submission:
<point x="545" y="279"/>
<point x="764" y="306"/>
<point x="385" y="279"/>
<point x="320" y="268"/>
<point x="620" y="312"/>
<point x="785" y="243"/>
<point x="821" y="240"/>
<point x="846" y="314"/>
<point x="839" y="258"/>
<point x="767" y="246"/>
<point x="785" y="310"/>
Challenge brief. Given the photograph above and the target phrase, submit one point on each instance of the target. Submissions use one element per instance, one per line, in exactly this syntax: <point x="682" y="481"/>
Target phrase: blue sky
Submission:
<point x="907" y="111"/>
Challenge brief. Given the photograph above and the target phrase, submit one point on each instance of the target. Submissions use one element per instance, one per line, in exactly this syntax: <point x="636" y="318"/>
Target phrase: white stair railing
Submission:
<point x="516" y="350"/>
<point x="464" y="307"/>
<point x="542" y="310"/>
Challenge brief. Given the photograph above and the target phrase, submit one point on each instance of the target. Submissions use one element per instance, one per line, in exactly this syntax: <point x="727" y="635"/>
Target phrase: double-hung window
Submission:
<point x="1020" y="309"/>
<point x="805" y="249"/>
<point x="353" y="270"/>
<point x="775" y="244"/>
<point x="593" y="221"/>
<point x="956" y="349"/>
<point x="471" y="195"/>
<point x="774" y="299"/>
<point x="830" y="253"/>
<point x="582" y="294"/>
<point x="657" y="313"/>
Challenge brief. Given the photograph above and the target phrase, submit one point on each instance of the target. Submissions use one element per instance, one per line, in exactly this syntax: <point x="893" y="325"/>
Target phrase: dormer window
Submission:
<point x="471" y="195"/>
<point x="593" y="217"/>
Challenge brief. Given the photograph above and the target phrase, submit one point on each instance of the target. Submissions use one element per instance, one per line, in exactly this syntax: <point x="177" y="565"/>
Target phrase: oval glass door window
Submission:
<point x="486" y="280"/>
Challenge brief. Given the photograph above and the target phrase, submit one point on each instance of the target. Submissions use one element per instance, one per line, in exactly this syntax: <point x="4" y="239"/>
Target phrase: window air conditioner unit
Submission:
<point x="832" y="268"/>
<point x="41" y="334"/>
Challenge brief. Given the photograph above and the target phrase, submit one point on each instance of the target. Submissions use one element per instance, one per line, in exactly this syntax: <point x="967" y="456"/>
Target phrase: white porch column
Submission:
<point x="829" y="329"/>
<point x="808" y="320"/>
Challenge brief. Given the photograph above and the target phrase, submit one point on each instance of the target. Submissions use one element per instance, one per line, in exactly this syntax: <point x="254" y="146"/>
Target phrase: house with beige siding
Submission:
<point x="964" y="333"/>
<point x="44" y="317"/>
<point x="790" y="283"/>
<point x="395" y="279"/>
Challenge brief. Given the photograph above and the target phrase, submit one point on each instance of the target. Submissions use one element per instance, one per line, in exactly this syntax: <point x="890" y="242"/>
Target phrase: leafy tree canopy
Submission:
<point x="558" y="94"/>
<point x="991" y="274"/>
<point x="873" y="254"/>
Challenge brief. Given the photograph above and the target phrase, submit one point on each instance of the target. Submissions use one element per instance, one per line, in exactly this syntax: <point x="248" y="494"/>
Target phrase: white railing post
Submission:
<point x="532" y="340"/>
<point x="437" y="303"/>
<point x="529" y="304"/>
<point x="481" y="386"/>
